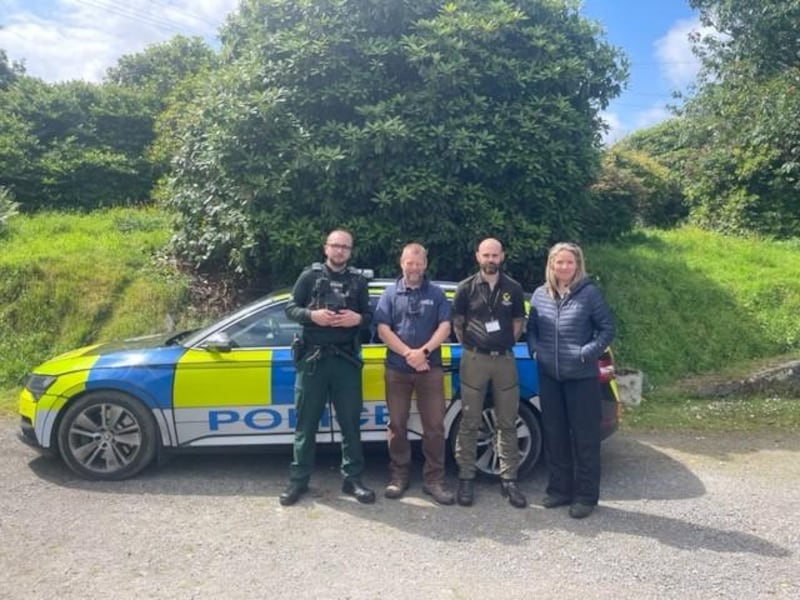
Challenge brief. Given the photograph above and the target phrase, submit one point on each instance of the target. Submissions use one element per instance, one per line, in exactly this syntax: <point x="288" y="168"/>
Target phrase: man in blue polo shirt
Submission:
<point x="413" y="319"/>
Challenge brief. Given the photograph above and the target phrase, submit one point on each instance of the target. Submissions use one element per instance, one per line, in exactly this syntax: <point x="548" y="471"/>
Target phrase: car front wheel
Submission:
<point x="529" y="440"/>
<point x="107" y="436"/>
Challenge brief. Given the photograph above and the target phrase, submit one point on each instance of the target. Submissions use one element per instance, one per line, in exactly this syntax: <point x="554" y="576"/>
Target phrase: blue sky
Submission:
<point x="653" y="34"/>
<point x="80" y="39"/>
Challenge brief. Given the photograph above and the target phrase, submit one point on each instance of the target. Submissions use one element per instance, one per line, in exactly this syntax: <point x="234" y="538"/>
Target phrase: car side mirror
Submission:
<point x="218" y="342"/>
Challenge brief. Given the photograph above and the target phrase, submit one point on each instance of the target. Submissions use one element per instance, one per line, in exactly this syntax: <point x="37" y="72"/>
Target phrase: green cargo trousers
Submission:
<point x="476" y="373"/>
<point x="330" y="377"/>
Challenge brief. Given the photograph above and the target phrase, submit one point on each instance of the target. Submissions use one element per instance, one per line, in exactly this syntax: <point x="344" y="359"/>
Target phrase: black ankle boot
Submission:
<point x="292" y="493"/>
<point x="509" y="489"/>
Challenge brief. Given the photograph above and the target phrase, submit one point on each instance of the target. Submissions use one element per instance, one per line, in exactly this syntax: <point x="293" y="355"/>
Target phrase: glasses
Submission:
<point x="342" y="247"/>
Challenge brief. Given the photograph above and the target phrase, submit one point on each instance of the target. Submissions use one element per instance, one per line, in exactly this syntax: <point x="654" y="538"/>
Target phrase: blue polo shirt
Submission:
<point x="413" y="314"/>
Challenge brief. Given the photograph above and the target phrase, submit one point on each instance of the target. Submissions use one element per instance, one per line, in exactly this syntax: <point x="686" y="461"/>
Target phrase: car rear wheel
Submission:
<point x="529" y="439"/>
<point x="107" y="436"/>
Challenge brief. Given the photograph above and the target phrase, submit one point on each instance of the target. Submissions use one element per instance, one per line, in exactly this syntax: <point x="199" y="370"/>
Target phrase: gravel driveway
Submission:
<point x="681" y="516"/>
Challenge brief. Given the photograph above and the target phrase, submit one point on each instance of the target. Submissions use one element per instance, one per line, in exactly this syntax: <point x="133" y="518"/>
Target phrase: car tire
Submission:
<point x="107" y="436"/>
<point x="529" y="436"/>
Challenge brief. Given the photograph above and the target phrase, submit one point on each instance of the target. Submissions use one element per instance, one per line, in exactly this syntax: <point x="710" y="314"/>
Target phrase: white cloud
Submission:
<point x="674" y="52"/>
<point x="616" y="130"/>
<point x="652" y="116"/>
<point x="82" y="38"/>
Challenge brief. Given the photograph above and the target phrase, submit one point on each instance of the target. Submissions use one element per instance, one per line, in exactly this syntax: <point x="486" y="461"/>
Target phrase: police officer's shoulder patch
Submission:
<point x="317" y="266"/>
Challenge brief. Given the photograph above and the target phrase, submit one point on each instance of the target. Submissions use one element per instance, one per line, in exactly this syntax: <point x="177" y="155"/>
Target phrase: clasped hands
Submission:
<point x="417" y="360"/>
<point x="330" y="318"/>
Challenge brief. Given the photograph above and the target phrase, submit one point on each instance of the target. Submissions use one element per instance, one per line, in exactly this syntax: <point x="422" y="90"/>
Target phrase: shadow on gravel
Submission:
<point x="676" y="533"/>
<point x="632" y="470"/>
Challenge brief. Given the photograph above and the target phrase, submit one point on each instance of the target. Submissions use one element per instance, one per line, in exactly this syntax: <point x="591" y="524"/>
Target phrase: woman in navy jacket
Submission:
<point x="569" y="327"/>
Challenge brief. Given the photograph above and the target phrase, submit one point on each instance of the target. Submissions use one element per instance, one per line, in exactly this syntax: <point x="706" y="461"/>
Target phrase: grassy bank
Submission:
<point x="686" y="302"/>
<point x="67" y="280"/>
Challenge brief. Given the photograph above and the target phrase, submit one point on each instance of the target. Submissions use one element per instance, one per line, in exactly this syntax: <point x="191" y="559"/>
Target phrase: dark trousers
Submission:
<point x="329" y="378"/>
<point x="428" y="387"/>
<point x="571" y="413"/>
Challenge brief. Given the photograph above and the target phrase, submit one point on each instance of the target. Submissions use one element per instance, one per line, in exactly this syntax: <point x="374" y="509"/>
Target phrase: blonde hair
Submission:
<point x="549" y="275"/>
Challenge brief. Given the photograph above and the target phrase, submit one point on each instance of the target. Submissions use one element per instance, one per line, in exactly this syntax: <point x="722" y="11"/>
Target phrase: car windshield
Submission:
<point x="201" y="334"/>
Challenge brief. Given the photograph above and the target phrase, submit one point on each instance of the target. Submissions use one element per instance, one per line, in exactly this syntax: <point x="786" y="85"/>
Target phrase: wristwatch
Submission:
<point x="425" y="351"/>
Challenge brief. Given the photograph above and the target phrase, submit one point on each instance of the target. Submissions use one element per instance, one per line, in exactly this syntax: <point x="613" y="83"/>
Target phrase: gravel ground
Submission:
<point x="681" y="516"/>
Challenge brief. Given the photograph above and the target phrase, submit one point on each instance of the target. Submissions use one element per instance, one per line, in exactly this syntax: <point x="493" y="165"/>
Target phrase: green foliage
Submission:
<point x="77" y="145"/>
<point x="397" y="120"/>
<point x="654" y="191"/>
<point x="741" y="129"/>
<point x="73" y="145"/>
<point x="679" y="411"/>
<point x="158" y="68"/>
<point x="745" y="175"/>
<point x="68" y="280"/>
<point x="688" y="301"/>
<point x="762" y="35"/>
<point x="9" y="71"/>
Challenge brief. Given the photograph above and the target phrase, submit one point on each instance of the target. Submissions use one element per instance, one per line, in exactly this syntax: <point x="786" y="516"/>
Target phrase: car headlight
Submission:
<point x="38" y="384"/>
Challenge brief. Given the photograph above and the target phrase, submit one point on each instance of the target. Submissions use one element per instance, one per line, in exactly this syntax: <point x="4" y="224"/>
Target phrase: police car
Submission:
<point x="109" y="410"/>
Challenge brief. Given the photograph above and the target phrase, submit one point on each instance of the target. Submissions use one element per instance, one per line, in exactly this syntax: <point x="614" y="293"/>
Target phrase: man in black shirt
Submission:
<point x="488" y="313"/>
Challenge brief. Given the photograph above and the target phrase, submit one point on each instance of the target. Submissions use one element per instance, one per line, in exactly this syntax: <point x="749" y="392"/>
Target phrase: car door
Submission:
<point x="236" y="387"/>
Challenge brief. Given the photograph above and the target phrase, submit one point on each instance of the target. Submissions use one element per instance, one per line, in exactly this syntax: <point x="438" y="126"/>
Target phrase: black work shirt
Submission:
<point x="479" y="305"/>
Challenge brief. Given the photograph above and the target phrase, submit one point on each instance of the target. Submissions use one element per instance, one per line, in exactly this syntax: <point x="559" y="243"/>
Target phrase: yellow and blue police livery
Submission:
<point x="107" y="410"/>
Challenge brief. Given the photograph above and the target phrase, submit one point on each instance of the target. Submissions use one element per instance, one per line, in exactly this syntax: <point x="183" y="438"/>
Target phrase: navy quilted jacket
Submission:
<point x="567" y="335"/>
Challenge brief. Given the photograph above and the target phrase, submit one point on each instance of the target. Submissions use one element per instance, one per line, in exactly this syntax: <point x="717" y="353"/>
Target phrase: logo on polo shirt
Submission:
<point x="506" y="300"/>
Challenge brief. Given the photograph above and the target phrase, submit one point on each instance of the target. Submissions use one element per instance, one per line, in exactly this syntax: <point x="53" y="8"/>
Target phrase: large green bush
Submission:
<point x="399" y="120"/>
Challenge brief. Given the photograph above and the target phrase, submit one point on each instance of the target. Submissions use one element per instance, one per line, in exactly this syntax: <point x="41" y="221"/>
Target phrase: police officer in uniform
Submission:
<point x="331" y="302"/>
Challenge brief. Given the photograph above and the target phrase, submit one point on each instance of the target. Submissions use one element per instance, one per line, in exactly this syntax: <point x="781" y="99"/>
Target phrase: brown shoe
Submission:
<point x="395" y="489"/>
<point x="440" y="494"/>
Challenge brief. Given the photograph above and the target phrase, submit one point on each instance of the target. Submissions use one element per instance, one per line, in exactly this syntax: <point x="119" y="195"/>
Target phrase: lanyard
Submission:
<point x="488" y="300"/>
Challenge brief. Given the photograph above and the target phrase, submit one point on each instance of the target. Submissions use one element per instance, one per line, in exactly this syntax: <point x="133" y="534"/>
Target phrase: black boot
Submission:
<point x="292" y="493"/>
<point x="355" y="488"/>
<point x="466" y="492"/>
<point x="509" y="489"/>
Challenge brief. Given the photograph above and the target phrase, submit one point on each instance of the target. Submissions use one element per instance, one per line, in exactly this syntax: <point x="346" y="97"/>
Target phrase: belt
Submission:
<point x="489" y="352"/>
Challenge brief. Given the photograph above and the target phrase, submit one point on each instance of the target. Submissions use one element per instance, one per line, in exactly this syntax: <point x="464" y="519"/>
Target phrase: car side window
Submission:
<point x="267" y="328"/>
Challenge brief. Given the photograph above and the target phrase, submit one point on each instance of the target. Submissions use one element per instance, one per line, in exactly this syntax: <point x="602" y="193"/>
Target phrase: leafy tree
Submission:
<point x="77" y="145"/>
<point x="159" y="67"/>
<point x="399" y="120"/>
<point x="649" y="190"/>
<point x="761" y="35"/>
<point x="72" y="145"/>
<point x="743" y="125"/>
<point x="9" y="72"/>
